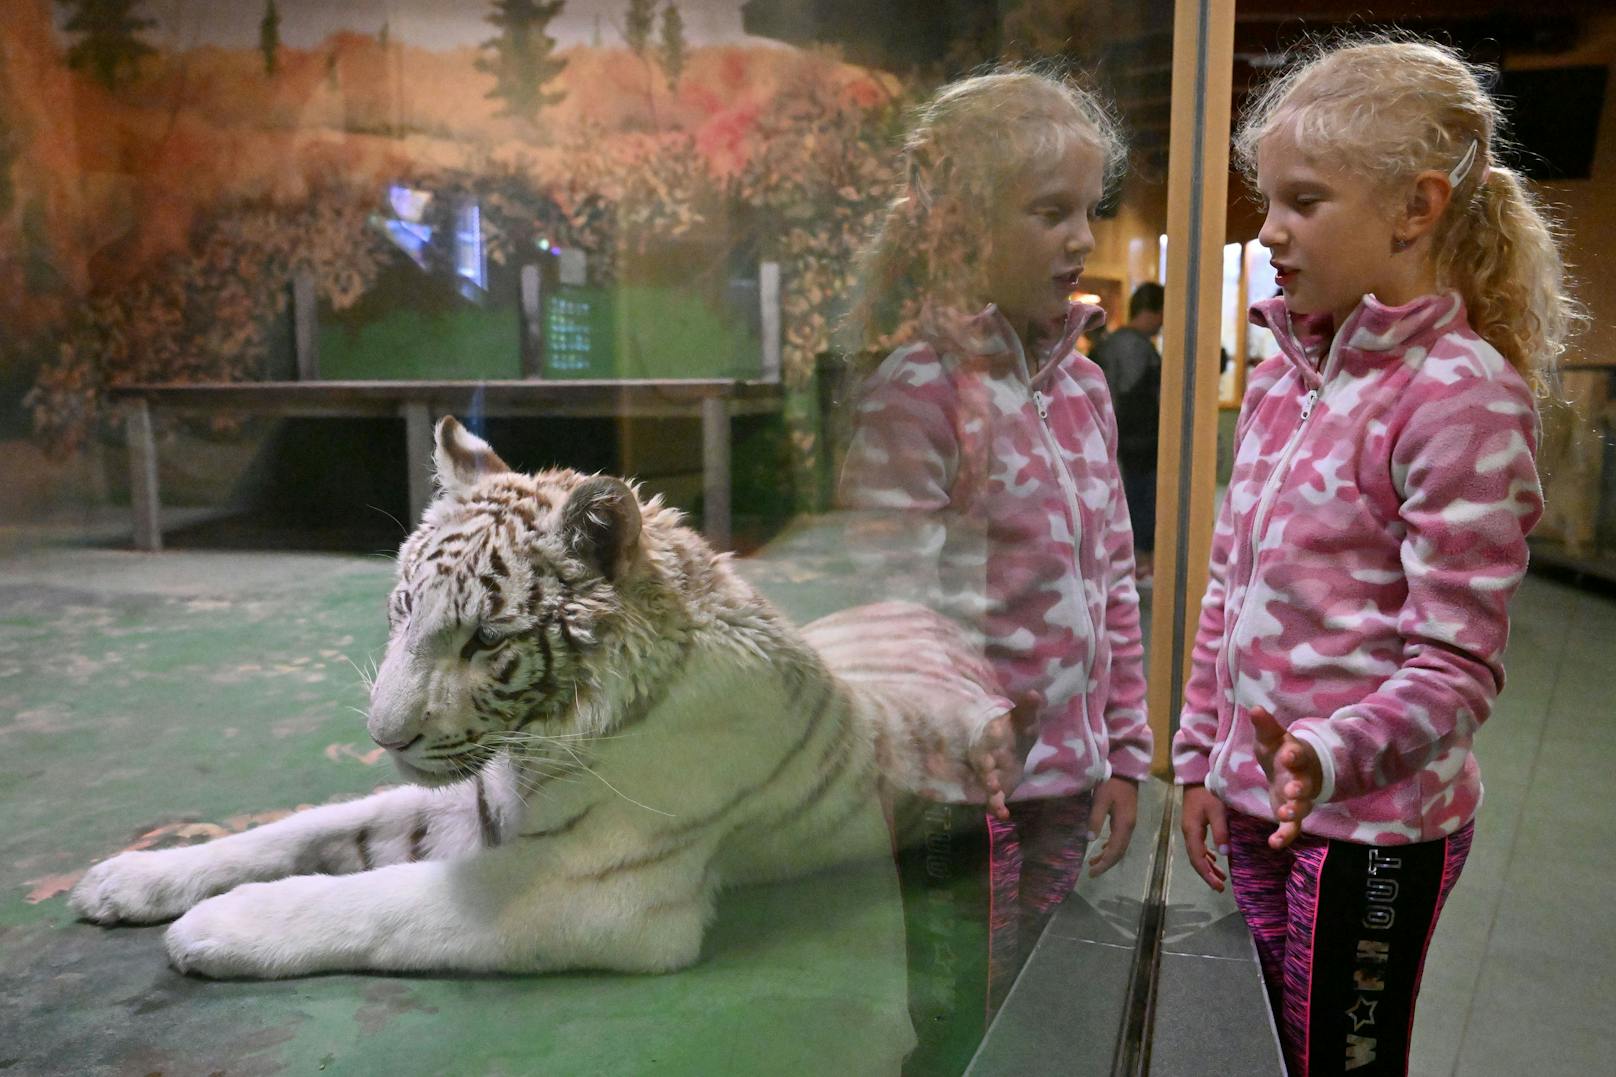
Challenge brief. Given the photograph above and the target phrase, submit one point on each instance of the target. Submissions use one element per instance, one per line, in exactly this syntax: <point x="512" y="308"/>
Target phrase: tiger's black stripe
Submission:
<point x="547" y="678"/>
<point x="646" y="704"/>
<point x="563" y="828"/>
<point x="362" y="842"/>
<point x="852" y="808"/>
<point x="417" y="840"/>
<point x="505" y="695"/>
<point x="485" y="818"/>
<point x="827" y="695"/>
<point x="566" y="633"/>
<point x="837" y="759"/>
<point x="637" y="713"/>
<point x="644" y="860"/>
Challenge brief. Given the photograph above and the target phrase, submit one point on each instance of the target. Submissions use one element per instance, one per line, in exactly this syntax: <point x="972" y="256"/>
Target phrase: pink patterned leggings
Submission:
<point x="1035" y="861"/>
<point x="1342" y="930"/>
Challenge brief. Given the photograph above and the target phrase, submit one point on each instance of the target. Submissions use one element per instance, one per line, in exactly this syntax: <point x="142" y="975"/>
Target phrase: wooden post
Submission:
<point x="1197" y="194"/>
<point x="715" y="470"/>
<point x="143" y="475"/>
<point x="418" y="452"/>
<point x="305" y="330"/>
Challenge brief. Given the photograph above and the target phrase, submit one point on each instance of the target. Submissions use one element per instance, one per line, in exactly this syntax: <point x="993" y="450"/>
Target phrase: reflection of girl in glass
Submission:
<point x="983" y="459"/>
<point x="1373" y="533"/>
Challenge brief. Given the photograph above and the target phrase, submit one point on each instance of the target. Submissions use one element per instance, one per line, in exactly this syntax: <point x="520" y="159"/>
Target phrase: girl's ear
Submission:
<point x="1427" y="201"/>
<point x="462" y="457"/>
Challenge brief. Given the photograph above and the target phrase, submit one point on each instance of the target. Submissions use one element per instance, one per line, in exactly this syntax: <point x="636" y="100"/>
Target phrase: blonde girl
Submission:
<point x="982" y="462"/>
<point x="1372" y="535"/>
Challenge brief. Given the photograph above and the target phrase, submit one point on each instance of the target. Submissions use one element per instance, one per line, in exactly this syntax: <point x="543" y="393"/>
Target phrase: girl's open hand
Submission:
<point x="1202" y="810"/>
<point x="1118" y="800"/>
<point x="1295" y="776"/>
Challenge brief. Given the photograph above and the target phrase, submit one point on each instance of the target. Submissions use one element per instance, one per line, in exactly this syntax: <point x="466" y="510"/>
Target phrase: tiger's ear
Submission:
<point x="601" y="524"/>
<point x="462" y="457"/>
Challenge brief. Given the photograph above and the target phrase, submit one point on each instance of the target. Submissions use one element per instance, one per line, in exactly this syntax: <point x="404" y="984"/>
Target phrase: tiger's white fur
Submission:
<point x="605" y="725"/>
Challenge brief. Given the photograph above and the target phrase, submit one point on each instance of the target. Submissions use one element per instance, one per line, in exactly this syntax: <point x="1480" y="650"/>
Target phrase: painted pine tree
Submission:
<point x="672" y="52"/>
<point x="107" y="44"/>
<point x="269" y="38"/>
<point x="522" y="58"/>
<point x="638" y="24"/>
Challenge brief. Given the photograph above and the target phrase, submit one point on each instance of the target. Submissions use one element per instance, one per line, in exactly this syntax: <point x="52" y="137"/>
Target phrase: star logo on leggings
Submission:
<point x="1368" y="1009"/>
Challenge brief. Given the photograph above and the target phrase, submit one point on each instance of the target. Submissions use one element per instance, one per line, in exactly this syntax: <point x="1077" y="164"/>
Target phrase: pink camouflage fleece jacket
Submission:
<point x="1363" y="562"/>
<point x="994" y="497"/>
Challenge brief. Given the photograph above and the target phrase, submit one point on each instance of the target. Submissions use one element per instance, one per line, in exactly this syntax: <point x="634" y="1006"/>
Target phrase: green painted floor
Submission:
<point x="153" y="700"/>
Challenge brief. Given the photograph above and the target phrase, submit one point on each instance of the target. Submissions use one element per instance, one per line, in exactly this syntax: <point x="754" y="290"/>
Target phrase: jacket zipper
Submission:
<point x="1265" y="505"/>
<point x="1307" y="404"/>
<point x="1069" y="490"/>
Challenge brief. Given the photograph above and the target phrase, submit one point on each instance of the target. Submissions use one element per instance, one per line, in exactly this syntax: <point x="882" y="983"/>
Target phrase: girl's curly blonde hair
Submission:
<point x="1395" y="106"/>
<point x="964" y="151"/>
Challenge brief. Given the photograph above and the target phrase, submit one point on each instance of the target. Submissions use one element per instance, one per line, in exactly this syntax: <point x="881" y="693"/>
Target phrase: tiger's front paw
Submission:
<point x="134" y="888"/>
<point x="259" y="930"/>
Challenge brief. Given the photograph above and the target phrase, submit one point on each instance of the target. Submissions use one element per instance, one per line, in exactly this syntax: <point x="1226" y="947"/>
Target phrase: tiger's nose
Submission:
<point x="398" y="746"/>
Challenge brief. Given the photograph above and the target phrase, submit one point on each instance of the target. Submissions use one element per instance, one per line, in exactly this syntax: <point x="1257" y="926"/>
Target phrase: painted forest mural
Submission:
<point x="167" y="167"/>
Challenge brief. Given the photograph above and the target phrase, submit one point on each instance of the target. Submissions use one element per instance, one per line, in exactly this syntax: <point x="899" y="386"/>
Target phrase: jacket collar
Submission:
<point x="1372" y="327"/>
<point x="988" y="334"/>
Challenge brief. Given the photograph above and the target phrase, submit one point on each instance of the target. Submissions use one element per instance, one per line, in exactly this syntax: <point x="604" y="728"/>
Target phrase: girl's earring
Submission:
<point x="1399" y="244"/>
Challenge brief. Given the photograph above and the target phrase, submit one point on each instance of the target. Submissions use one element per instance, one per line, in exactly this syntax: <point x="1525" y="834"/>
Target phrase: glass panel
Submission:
<point x="254" y="251"/>
<point x="973" y="474"/>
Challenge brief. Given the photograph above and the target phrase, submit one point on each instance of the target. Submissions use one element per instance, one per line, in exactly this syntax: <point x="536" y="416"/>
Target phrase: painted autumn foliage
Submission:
<point x="151" y="236"/>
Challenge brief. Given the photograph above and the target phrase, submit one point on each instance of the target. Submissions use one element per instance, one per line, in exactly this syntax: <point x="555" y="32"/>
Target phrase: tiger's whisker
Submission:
<point x="585" y="767"/>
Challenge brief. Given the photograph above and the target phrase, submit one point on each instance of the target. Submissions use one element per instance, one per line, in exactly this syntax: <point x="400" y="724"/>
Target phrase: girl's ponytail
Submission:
<point x="1501" y="251"/>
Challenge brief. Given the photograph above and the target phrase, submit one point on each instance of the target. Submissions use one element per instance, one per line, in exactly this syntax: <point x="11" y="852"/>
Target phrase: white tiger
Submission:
<point x="605" y="726"/>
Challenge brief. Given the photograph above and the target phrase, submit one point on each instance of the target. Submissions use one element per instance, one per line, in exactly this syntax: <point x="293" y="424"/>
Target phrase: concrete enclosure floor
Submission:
<point x="152" y="700"/>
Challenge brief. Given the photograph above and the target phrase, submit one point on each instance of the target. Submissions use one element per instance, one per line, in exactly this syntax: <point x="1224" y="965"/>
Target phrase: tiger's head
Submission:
<point x="509" y="598"/>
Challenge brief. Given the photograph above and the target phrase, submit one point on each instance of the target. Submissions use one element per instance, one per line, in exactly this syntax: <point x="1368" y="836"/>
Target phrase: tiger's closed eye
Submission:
<point x="486" y="638"/>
